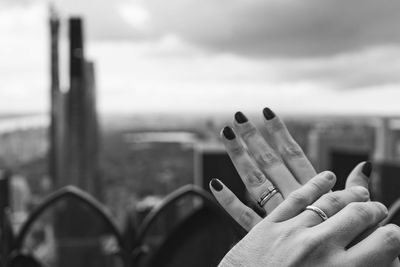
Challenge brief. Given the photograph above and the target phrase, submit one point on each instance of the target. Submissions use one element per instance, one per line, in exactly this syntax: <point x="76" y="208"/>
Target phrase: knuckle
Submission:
<point x="334" y="201"/>
<point x="361" y="192"/>
<point x="267" y="158"/>
<point x="228" y="200"/>
<point x="235" y="150"/>
<point x="248" y="132"/>
<point x="276" y="126"/>
<point x="299" y="198"/>
<point x="312" y="242"/>
<point x="316" y="186"/>
<point x="289" y="232"/>
<point x="246" y="218"/>
<point x="256" y="177"/>
<point x="362" y="211"/>
<point x="292" y="150"/>
<point x="391" y="235"/>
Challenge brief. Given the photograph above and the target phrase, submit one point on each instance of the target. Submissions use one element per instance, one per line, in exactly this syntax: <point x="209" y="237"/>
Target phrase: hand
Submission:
<point x="293" y="236"/>
<point x="281" y="160"/>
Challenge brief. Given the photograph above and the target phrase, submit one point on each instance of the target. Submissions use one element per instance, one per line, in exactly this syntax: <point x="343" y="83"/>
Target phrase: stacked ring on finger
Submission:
<point x="267" y="195"/>
<point x="318" y="211"/>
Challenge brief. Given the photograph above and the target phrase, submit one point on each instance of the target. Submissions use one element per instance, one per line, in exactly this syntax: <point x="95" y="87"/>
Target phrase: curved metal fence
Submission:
<point x="193" y="210"/>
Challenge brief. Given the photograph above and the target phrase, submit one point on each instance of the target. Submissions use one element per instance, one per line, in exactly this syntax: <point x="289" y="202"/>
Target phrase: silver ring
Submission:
<point x="267" y="195"/>
<point x="318" y="211"/>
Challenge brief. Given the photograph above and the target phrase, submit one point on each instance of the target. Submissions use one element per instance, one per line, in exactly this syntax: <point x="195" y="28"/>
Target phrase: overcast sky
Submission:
<point x="334" y="56"/>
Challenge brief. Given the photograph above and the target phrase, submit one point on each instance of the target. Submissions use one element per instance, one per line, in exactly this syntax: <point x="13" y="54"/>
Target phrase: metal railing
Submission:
<point x="14" y="253"/>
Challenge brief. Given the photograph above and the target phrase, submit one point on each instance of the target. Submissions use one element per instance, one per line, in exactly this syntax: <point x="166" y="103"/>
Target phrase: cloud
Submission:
<point x="164" y="60"/>
<point x="362" y="69"/>
<point x="137" y="16"/>
<point x="142" y="77"/>
<point x="285" y="28"/>
<point x="23" y="53"/>
<point x="259" y="28"/>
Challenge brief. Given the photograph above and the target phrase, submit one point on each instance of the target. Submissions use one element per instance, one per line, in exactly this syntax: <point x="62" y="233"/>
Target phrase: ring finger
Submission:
<point x="254" y="179"/>
<point x="265" y="156"/>
<point x="332" y="203"/>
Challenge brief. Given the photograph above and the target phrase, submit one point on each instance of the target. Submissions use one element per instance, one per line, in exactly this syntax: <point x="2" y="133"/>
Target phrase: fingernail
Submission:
<point x="228" y="133"/>
<point x="240" y="117"/>
<point x="382" y="207"/>
<point x="216" y="184"/>
<point x="330" y="175"/>
<point x="367" y="168"/>
<point x="268" y="114"/>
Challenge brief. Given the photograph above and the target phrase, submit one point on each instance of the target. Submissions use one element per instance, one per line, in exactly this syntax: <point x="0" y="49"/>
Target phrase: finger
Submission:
<point x="354" y="219"/>
<point x="395" y="263"/>
<point x="253" y="178"/>
<point x="264" y="155"/>
<point x="333" y="202"/>
<point x="289" y="150"/>
<point x="360" y="175"/>
<point x="242" y="214"/>
<point x="393" y="212"/>
<point x="379" y="249"/>
<point x="304" y="196"/>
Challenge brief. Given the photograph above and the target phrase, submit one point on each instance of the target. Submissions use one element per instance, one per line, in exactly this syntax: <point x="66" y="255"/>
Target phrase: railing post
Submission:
<point x="5" y="196"/>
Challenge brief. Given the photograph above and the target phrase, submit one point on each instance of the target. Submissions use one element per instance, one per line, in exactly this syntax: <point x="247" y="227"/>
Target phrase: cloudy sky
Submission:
<point x="312" y="56"/>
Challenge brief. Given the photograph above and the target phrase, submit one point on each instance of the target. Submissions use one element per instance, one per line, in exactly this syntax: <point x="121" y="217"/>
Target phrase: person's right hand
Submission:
<point x="294" y="236"/>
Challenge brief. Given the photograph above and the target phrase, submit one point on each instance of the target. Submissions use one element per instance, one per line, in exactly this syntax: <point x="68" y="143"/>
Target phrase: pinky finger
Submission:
<point x="242" y="214"/>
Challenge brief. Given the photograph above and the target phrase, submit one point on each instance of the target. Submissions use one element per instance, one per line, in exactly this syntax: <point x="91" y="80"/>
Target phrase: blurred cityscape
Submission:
<point x="143" y="158"/>
<point x="123" y="167"/>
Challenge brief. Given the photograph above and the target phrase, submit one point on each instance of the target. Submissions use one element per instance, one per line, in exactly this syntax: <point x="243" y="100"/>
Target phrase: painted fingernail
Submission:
<point x="240" y="117"/>
<point x="367" y="168"/>
<point x="268" y="114"/>
<point x="228" y="133"/>
<point x="216" y="184"/>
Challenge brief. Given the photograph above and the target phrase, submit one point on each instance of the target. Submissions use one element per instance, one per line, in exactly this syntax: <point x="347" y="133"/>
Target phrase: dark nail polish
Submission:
<point x="268" y="114"/>
<point x="228" y="133"/>
<point x="240" y="117"/>
<point x="216" y="184"/>
<point x="367" y="168"/>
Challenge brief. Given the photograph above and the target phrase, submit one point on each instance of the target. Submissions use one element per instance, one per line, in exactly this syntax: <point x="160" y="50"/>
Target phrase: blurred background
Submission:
<point x="125" y="100"/>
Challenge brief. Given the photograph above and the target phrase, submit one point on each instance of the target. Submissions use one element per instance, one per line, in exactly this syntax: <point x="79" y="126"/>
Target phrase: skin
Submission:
<point x="260" y="165"/>
<point x="292" y="236"/>
<point x="280" y="162"/>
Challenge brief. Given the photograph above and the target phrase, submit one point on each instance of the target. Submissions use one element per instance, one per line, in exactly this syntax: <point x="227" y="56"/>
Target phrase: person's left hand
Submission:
<point x="280" y="162"/>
